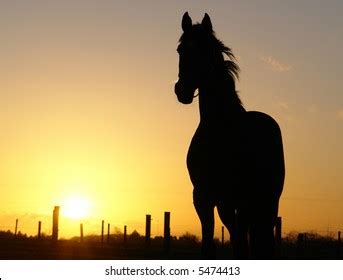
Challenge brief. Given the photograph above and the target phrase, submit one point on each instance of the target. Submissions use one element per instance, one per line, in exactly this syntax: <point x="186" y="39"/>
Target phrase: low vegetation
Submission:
<point x="187" y="246"/>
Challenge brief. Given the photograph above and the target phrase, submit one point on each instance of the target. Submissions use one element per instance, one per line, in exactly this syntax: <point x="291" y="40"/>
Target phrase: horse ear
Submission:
<point x="186" y="22"/>
<point x="206" y="22"/>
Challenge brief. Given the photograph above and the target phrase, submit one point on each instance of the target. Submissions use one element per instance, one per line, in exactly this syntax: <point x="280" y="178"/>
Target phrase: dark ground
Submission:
<point x="30" y="248"/>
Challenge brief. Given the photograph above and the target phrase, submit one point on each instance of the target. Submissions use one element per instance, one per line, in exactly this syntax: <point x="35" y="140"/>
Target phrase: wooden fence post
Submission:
<point x="39" y="230"/>
<point x="16" y="227"/>
<point x="81" y="232"/>
<point x="300" y="246"/>
<point x="166" y="241"/>
<point x="125" y="235"/>
<point x="147" y="229"/>
<point x="55" y="223"/>
<point x="102" y="231"/>
<point x="108" y="233"/>
<point x="278" y="236"/>
<point x="339" y="245"/>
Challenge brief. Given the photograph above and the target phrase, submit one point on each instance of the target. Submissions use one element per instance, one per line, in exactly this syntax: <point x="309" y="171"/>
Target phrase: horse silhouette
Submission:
<point x="235" y="159"/>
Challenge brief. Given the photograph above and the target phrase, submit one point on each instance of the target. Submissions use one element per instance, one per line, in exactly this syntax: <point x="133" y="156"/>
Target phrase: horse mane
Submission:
<point x="229" y="67"/>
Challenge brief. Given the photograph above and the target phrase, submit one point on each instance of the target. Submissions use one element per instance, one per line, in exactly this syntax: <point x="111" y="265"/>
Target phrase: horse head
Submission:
<point x="194" y="57"/>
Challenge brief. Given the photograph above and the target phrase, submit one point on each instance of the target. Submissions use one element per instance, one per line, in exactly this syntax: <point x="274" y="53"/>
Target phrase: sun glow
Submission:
<point x="76" y="208"/>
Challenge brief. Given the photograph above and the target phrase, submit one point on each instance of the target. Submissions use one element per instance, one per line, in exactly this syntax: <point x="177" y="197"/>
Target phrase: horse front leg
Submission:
<point x="205" y="212"/>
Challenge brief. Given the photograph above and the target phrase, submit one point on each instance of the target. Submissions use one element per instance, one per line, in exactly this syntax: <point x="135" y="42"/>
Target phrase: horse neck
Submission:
<point x="218" y="102"/>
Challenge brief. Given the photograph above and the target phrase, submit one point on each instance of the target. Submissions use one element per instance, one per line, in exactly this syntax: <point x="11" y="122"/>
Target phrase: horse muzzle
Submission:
<point x="184" y="94"/>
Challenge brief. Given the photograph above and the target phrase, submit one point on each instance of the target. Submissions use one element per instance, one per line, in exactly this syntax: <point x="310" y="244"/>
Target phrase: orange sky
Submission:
<point x="88" y="109"/>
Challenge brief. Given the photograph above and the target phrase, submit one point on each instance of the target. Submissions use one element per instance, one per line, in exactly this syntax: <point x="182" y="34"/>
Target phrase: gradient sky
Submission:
<point x="87" y="108"/>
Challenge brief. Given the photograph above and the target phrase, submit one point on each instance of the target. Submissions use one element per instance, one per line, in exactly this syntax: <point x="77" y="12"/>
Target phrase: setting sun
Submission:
<point x="76" y="208"/>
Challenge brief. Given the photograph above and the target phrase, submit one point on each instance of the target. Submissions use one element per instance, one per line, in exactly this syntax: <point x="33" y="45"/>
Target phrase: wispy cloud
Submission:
<point x="340" y="114"/>
<point x="275" y="64"/>
<point x="283" y="105"/>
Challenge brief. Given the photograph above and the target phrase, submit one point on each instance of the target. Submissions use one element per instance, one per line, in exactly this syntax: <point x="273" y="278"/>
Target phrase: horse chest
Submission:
<point x="217" y="153"/>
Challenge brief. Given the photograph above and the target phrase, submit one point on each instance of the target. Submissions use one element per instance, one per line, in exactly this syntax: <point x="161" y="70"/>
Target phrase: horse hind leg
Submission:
<point x="236" y="223"/>
<point x="262" y="239"/>
<point x="205" y="211"/>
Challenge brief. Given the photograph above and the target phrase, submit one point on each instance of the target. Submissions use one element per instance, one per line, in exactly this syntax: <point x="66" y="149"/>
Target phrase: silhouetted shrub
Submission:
<point x="189" y="238"/>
